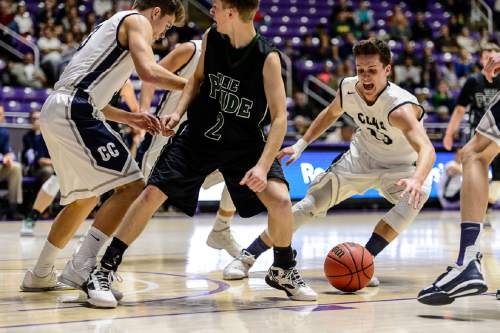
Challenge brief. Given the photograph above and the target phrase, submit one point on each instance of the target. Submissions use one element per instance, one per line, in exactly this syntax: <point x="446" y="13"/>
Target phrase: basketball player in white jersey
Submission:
<point x="464" y="277"/>
<point x="389" y="141"/>
<point x="50" y="187"/>
<point x="89" y="158"/>
<point x="183" y="61"/>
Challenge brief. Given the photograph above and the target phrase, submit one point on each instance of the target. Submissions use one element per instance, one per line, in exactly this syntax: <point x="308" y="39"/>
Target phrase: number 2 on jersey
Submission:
<point x="213" y="132"/>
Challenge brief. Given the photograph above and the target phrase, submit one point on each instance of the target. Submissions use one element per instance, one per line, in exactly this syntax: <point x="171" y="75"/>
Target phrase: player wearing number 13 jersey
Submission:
<point x="389" y="152"/>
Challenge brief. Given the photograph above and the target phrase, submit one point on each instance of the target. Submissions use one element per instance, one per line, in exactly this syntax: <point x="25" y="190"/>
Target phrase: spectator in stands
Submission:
<point x="290" y="51"/>
<point x="50" y="48"/>
<point x="420" y="29"/>
<point x="407" y="75"/>
<point x="73" y="18"/>
<point x="448" y="73"/>
<point x="325" y="75"/>
<point x="27" y="74"/>
<point x="35" y="155"/>
<point x="23" y="20"/>
<point x="345" y="50"/>
<point x="465" y="41"/>
<point x="102" y="6"/>
<point x="6" y="12"/>
<point x="445" y="42"/>
<point x="90" y="21"/>
<point x="48" y="11"/>
<point x="399" y="27"/>
<point x="343" y="24"/>
<point x="364" y="15"/>
<point x="302" y="113"/>
<point x="496" y="14"/>
<point x="341" y="6"/>
<point x="430" y="70"/>
<point x="464" y="63"/>
<point x="337" y="76"/>
<point x="443" y="97"/>
<point x="418" y="6"/>
<point x="10" y="170"/>
<point x="325" y="49"/>
<point x="455" y="25"/>
<point x="408" y="51"/>
<point x="308" y="50"/>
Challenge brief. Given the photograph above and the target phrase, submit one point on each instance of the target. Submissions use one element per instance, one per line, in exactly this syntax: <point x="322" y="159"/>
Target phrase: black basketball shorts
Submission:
<point x="185" y="162"/>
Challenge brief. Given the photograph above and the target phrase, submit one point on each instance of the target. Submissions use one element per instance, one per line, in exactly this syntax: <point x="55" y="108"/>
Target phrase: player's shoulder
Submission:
<point x="396" y="92"/>
<point x="348" y="84"/>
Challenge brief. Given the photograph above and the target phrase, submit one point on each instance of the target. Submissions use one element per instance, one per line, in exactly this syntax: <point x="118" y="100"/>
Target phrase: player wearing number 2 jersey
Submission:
<point x="389" y="152"/>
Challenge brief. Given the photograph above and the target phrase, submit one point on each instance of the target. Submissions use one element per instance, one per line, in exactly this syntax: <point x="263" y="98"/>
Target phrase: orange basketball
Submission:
<point x="349" y="267"/>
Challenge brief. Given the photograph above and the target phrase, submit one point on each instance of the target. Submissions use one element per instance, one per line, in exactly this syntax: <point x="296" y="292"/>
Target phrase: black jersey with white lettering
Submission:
<point x="231" y="108"/>
<point x="477" y="93"/>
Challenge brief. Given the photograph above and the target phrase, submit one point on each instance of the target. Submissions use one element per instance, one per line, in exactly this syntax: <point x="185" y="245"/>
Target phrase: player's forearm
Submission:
<point x="425" y="161"/>
<point x="455" y="120"/>
<point x="163" y="78"/>
<point x="322" y="122"/>
<point x="146" y="97"/>
<point x="190" y="91"/>
<point x="274" y="141"/>
<point x="115" y="114"/>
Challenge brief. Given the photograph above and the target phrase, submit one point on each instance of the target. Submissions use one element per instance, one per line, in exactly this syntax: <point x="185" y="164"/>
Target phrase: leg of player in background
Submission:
<point x="220" y="237"/>
<point x="494" y="191"/>
<point x="44" y="199"/>
<point x="465" y="278"/>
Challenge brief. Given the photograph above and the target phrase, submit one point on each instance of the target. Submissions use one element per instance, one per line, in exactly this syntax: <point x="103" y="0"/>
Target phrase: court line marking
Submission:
<point x="286" y="307"/>
<point x="221" y="286"/>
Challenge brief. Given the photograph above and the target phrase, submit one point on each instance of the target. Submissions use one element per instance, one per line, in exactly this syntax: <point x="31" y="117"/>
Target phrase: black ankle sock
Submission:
<point x="375" y="244"/>
<point x="114" y="253"/>
<point x="257" y="247"/>
<point x="34" y="215"/>
<point x="283" y="257"/>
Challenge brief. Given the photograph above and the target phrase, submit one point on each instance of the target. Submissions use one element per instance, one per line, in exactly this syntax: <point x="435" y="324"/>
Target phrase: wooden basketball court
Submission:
<point x="173" y="282"/>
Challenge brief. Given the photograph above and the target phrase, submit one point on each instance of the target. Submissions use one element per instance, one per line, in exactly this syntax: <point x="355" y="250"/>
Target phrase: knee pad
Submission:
<point x="494" y="191"/>
<point x="51" y="186"/>
<point x="402" y="214"/>
<point x="226" y="203"/>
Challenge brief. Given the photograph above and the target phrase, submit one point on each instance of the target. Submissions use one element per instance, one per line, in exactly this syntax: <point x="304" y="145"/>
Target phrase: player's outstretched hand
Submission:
<point x="144" y="121"/>
<point x="255" y="179"/>
<point x="294" y="151"/>
<point x="413" y="188"/>
<point x="492" y="66"/>
<point x="168" y="123"/>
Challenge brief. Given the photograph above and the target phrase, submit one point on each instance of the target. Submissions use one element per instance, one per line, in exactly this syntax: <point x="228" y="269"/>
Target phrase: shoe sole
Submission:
<point x="27" y="234"/>
<point x="233" y="278"/>
<point x="442" y="298"/>
<point x="102" y="305"/>
<point x="275" y="285"/>
<point x="34" y="290"/>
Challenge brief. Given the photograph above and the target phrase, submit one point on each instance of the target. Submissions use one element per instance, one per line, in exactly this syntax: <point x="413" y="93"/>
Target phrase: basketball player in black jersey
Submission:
<point x="476" y="94"/>
<point x="237" y="82"/>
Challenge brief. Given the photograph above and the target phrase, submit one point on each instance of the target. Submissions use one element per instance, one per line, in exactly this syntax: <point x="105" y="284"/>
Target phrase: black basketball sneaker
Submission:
<point x="456" y="282"/>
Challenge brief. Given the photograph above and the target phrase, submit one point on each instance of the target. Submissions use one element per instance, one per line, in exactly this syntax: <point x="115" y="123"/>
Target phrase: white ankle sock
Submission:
<point x="46" y="260"/>
<point x="222" y="222"/>
<point x="93" y="242"/>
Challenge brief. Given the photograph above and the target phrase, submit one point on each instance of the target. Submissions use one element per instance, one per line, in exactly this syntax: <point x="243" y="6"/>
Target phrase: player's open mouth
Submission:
<point x="368" y="86"/>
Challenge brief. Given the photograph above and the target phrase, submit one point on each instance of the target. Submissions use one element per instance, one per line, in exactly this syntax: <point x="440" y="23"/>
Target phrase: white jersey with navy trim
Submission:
<point x="171" y="98"/>
<point x="375" y="135"/>
<point x="167" y="106"/>
<point x="101" y="65"/>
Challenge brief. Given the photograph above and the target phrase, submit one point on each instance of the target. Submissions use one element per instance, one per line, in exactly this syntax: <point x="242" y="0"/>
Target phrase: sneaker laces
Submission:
<point x="294" y="276"/>
<point x="105" y="278"/>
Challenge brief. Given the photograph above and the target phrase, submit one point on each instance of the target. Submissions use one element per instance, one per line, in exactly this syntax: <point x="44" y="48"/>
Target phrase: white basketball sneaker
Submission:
<point x="33" y="282"/>
<point x="374" y="282"/>
<point x="27" y="228"/>
<point x="98" y="288"/>
<point x="223" y="239"/>
<point x="239" y="267"/>
<point x="75" y="277"/>
<point x="290" y="281"/>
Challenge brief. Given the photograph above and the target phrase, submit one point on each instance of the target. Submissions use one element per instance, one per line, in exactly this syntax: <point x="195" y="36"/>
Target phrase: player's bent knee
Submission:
<point x="279" y="203"/>
<point x="134" y="188"/>
<point x="152" y="194"/>
<point x="401" y="215"/>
